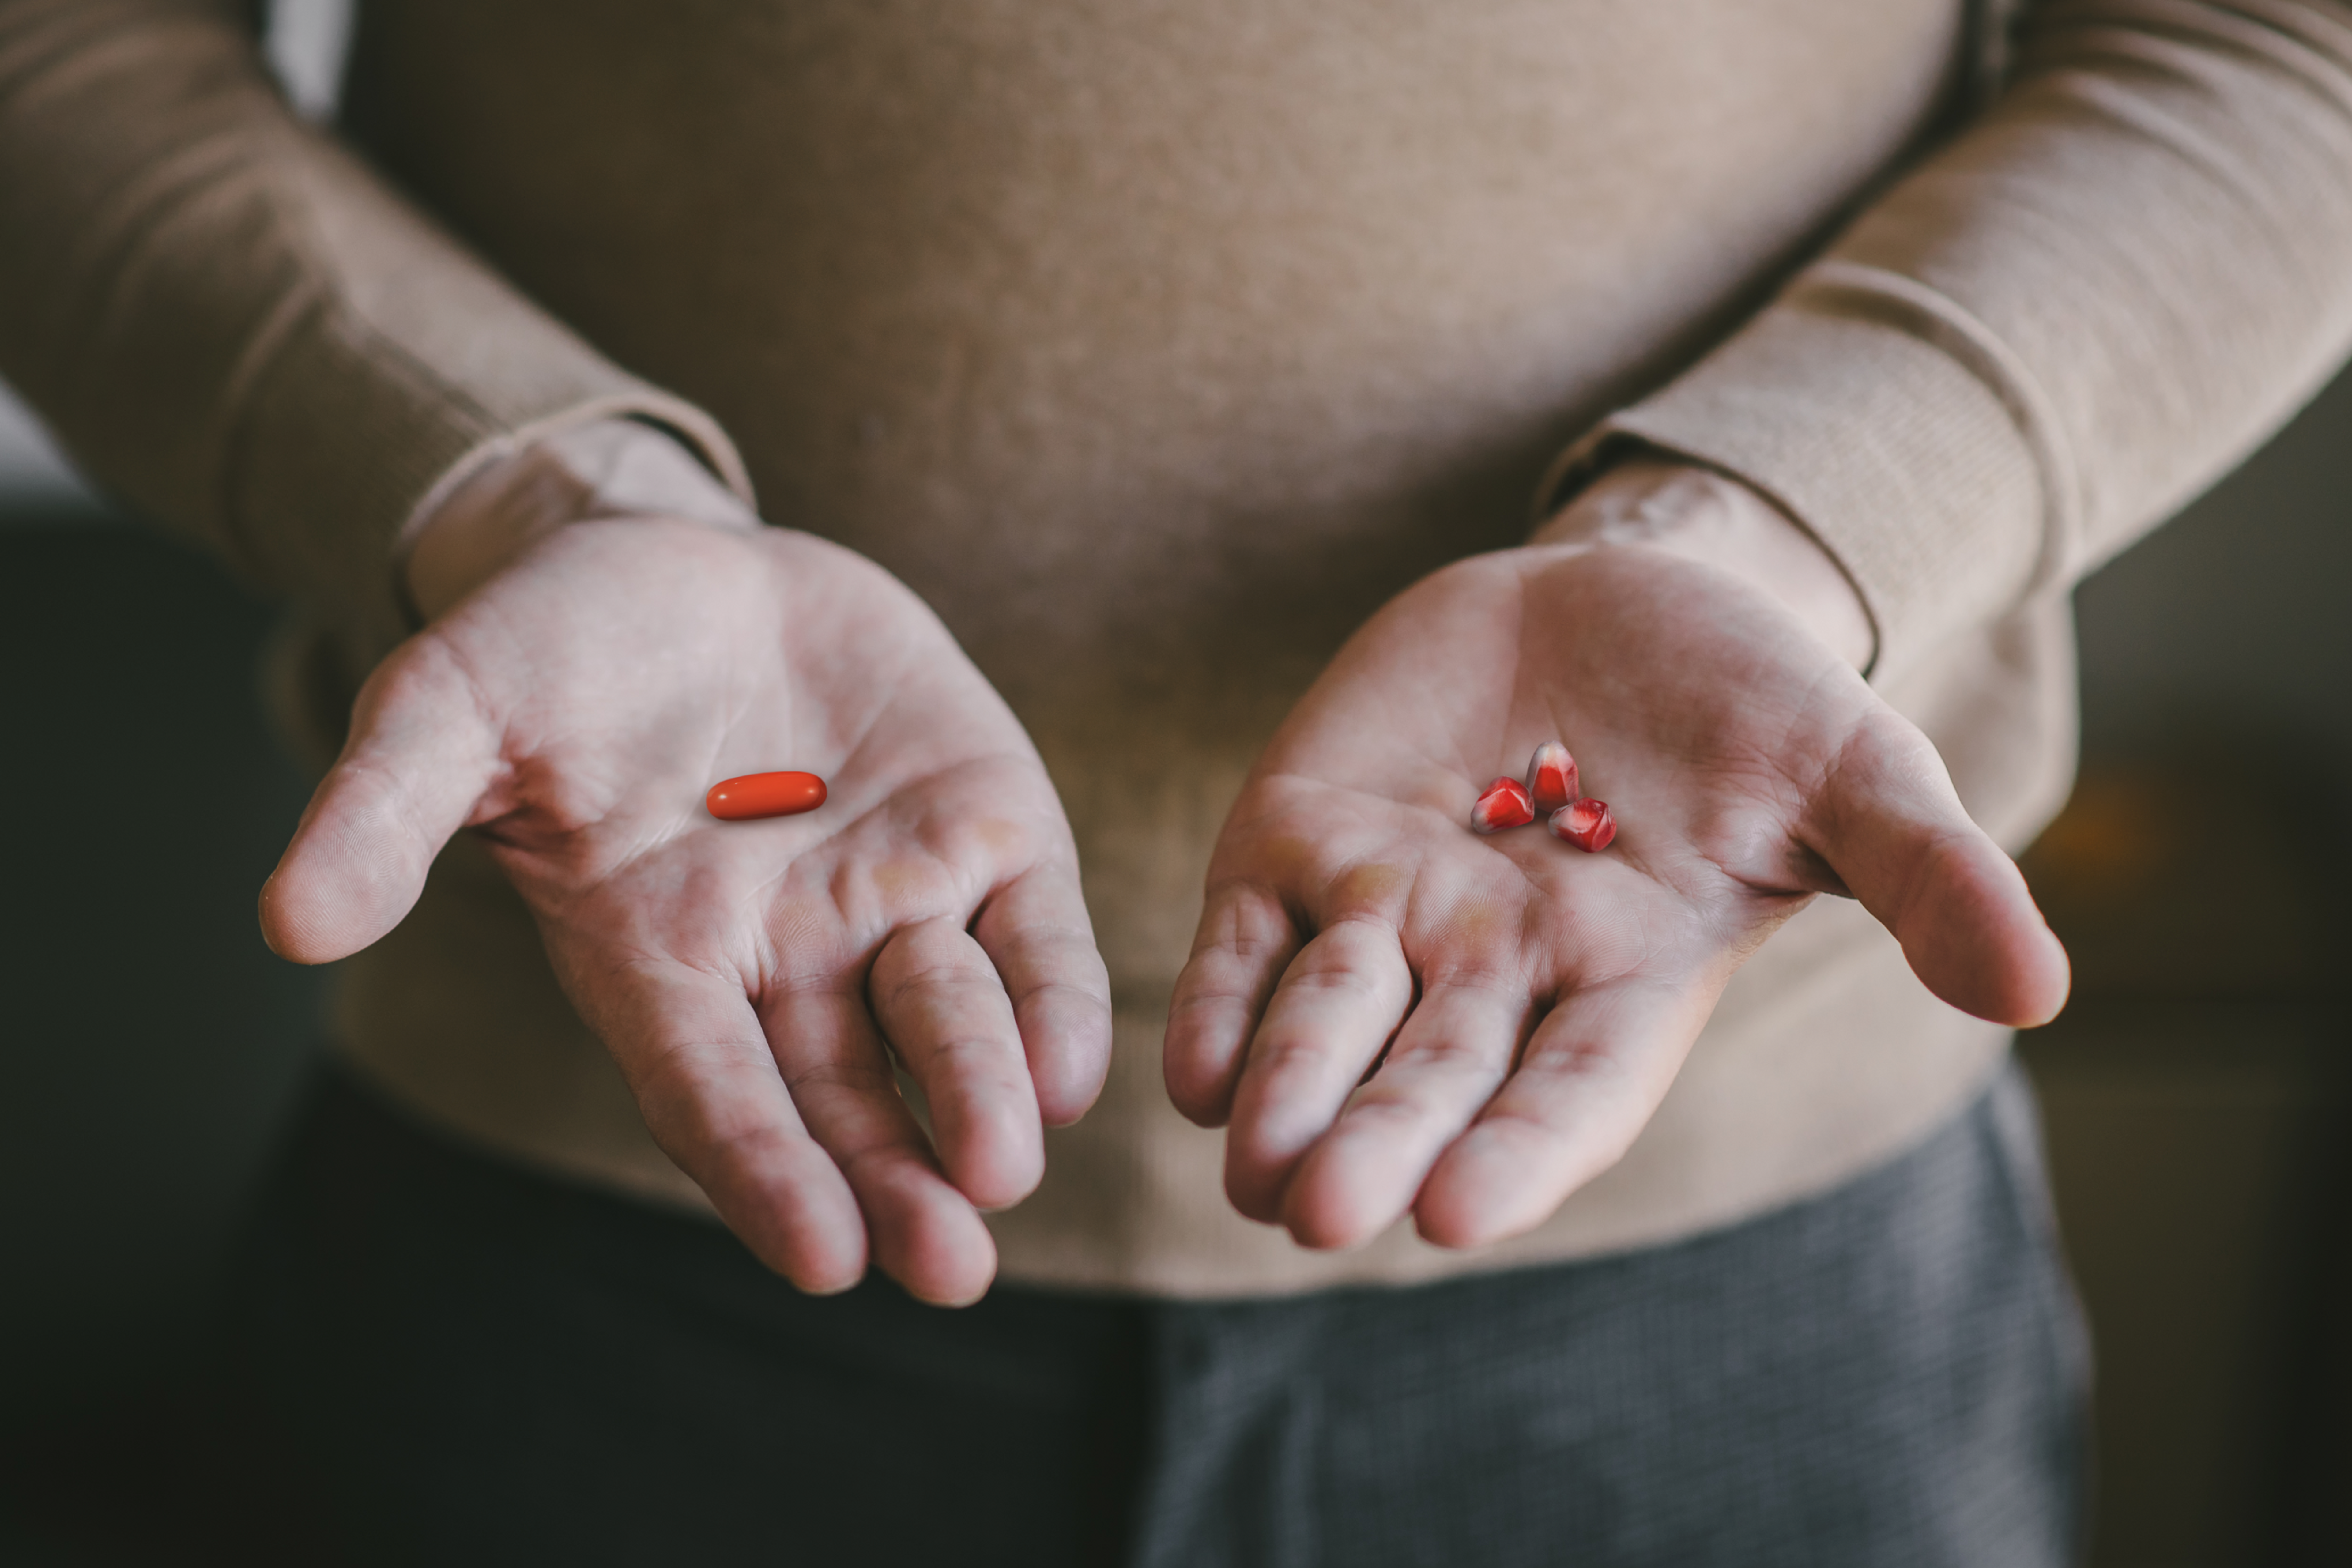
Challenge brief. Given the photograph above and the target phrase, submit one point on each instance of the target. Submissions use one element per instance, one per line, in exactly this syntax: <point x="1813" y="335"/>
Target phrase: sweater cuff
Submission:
<point x="1889" y="426"/>
<point x="343" y="426"/>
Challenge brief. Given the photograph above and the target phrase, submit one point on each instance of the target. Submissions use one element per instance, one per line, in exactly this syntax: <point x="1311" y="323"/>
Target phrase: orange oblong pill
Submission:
<point x="764" y="794"/>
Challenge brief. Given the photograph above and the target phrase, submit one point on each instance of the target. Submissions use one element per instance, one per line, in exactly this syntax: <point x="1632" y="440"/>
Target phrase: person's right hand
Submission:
<point x="752" y="979"/>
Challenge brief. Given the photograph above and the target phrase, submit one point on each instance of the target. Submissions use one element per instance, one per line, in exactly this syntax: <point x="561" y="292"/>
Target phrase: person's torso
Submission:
<point x="1155" y="345"/>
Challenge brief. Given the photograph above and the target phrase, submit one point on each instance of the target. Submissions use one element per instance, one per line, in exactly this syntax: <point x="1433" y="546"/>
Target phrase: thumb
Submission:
<point x="1892" y="828"/>
<point x="423" y="750"/>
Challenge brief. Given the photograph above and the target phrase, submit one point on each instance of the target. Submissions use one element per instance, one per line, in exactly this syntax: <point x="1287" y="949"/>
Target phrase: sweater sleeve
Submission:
<point x="237" y="327"/>
<point x="2056" y="331"/>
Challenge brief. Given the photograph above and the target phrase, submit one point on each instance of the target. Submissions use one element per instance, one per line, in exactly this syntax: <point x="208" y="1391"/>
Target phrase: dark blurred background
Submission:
<point x="2195" y="1091"/>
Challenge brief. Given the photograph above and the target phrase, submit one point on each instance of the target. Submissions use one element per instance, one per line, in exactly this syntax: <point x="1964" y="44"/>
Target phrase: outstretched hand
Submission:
<point x="1393" y="1015"/>
<point x="754" y="979"/>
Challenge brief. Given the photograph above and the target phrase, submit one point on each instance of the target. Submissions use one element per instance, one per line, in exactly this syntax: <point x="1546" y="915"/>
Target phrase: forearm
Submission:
<point x="236" y="327"/>
<point x="2060" y="327"/>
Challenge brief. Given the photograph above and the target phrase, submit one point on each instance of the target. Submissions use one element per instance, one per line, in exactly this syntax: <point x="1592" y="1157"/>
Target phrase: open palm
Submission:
<point x="1528" y="1005"/>
<point x="753" y="980"/>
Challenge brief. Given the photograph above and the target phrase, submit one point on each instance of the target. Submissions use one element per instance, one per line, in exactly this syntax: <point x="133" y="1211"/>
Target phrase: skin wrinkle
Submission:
<point x="1444" y="1047"/>
<point x="714" y="1146"/>
<point x="1229" y="1044"/>
<point x="1040" y="992"/>
<point x="859" y="1084"/>
<point x="1651" y="947"/>
<point x="903" y="880"/>
<point x="1226" y="901"/>
<point x="890" y="682"/>
<point x="1579" y="1058"/>
<point x="1800" y="789"/>
<point x="1045" y="993"/>
<point x="1332" y="973"/>
<point x="1276" y="859"/>
<point x="485" y="713"/>
<point x="1471" y="971"/>
<point x="1293" y="1070"/>
<point x="844" y="985"/>
<point x="1509" y="1120"/>
<point x="1942" y="849"/>
<point x="685" y="1065"/>
<point x="1916" y="885"/>
<point x="793" y="928"/>
<point x="974" y="1098"/>
<point x="1369" y="886"/>
<point x="396" y="800"/>
<point x="1033" y="933"/>
<point x="890" y="1144"/>
<point x="1830" y="797"/>
<point x="943" y="974"/>
<point x="1533" y="890"/>
<point x="655" y="969"/>
<point x="973" y="855"/>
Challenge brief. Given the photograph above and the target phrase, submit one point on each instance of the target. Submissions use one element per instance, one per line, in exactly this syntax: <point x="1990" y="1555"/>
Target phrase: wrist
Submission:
<point x="1705" y="516"/>
<point x="605" y="469"/>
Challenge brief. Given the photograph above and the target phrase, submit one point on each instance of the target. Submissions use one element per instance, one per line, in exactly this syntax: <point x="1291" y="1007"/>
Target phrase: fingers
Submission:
<point x="1447" y="1062"/>
<point x="1892" y="828"/>
<point x="1036" y="932"/>
<point x="422" y="752"/>
<point x="924" y="1233"/>
<point x="937" y="999"/>
<point x="1595" y="1070"/>
<point x="699" y="1063"/>
<point x="1247" y="939"/>
<point x="1339" y="1003"/>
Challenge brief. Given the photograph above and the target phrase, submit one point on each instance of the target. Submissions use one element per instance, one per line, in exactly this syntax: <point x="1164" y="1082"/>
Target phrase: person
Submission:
<point x="1142" y="402"/>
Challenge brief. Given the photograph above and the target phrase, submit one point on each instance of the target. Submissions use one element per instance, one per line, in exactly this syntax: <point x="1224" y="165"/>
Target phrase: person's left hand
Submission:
<point x="1396" y="1015"/>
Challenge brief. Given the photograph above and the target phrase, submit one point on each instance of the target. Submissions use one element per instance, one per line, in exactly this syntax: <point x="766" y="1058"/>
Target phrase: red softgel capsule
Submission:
<point x="1504" y="805"/>
<point x="1551" y="777"/>
<point x="764" y="794"/>
<point x="1588" y="824"/>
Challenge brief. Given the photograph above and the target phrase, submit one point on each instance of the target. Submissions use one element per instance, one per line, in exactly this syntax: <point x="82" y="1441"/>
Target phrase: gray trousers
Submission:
<point x="1896" y="1373"/>
<point x="463" y="1361"/>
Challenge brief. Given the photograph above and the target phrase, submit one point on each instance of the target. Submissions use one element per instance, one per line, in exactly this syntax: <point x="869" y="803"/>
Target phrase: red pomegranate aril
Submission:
<point x="1588" y="824"/>
<point x="1504" y="805"/>
<point x="1551" y="777"/>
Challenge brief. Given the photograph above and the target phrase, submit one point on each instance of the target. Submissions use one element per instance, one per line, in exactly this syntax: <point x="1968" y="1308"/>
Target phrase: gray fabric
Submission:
<point x="1896" y="1373"/>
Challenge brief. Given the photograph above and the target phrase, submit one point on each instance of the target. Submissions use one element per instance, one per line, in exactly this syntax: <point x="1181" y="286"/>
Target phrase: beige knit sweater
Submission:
<point x="1155" y="344"/>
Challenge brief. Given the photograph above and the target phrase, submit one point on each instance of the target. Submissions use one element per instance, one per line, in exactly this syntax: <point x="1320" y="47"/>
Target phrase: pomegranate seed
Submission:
<point x="1504" y="805"/>
<point x="1551" y="777"/>
<point x="1587" y="824"/>
<point x="764" y="794"/>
